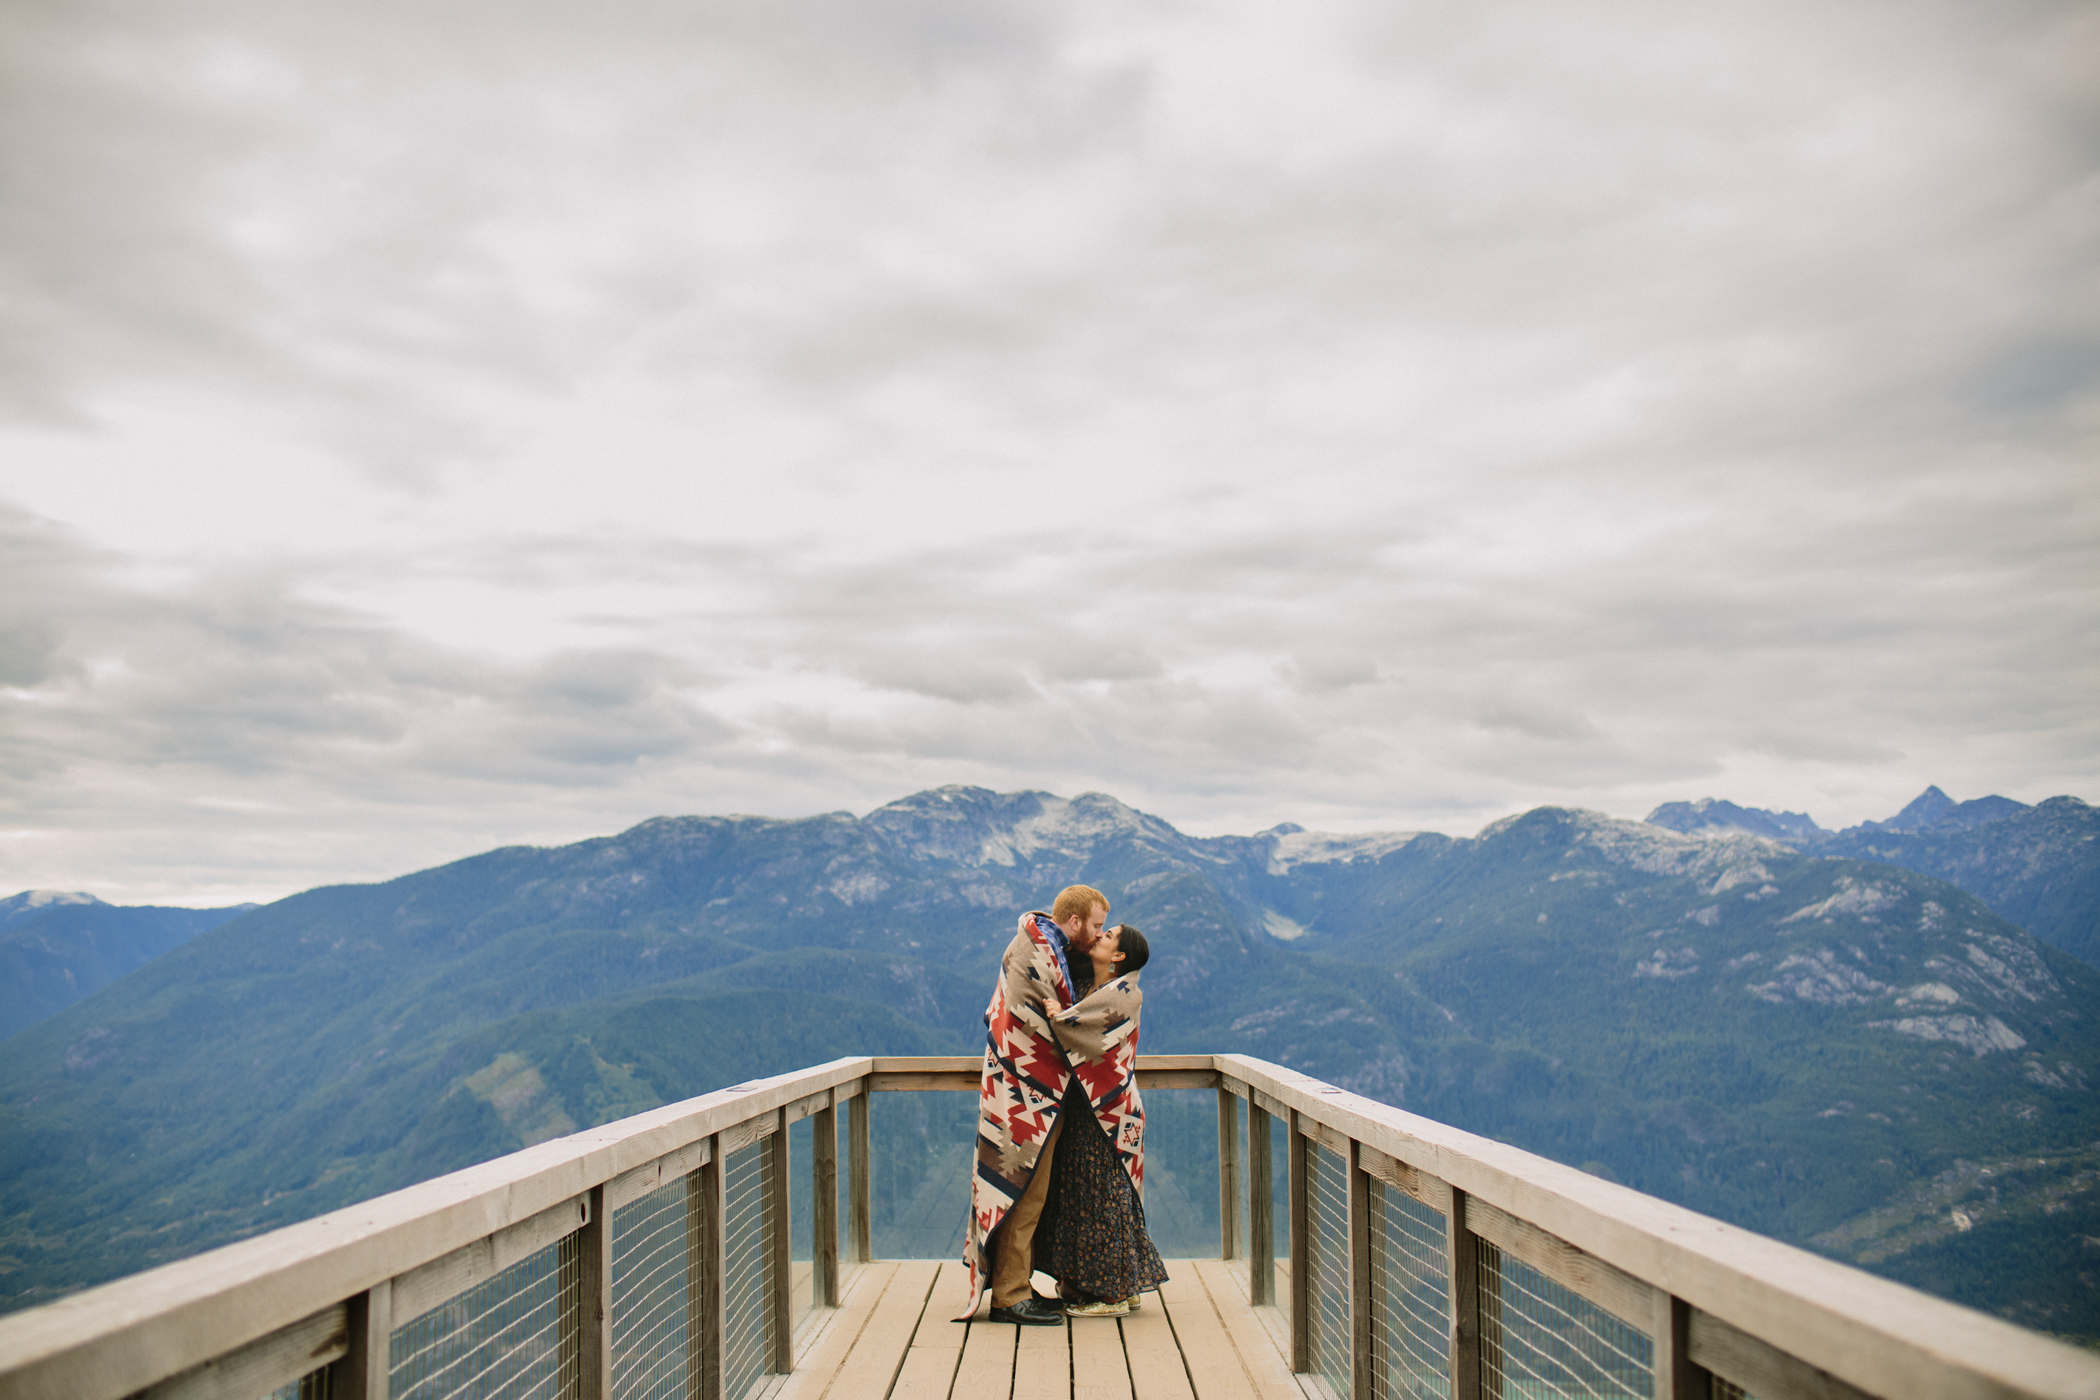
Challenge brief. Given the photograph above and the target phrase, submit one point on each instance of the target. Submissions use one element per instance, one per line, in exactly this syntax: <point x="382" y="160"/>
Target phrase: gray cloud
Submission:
<point x="490" y="423"/>
<point x="236" y="702"/>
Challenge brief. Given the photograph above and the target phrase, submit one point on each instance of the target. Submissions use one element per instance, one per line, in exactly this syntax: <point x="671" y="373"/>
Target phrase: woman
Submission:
<point x="1092" y="1237"/>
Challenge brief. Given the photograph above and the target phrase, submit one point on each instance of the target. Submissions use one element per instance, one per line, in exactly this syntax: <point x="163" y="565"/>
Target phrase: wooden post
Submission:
<point x="707" y="1212"/>
<point x="1301" y="1247"/>
<point x="1228" y="1174"/>
<point x="1261" y="1224"/>
<point x="362" y="1373"/>
<point x="1463" y="1253"/>
<point x="1677" y="1377"/>
<point x="780" y="1249"/>
<point x="593" y="1320"/>
<point x="824" y="1205"/>
<point x="1363" y="1288"/>
<point x="857" y="1177"/>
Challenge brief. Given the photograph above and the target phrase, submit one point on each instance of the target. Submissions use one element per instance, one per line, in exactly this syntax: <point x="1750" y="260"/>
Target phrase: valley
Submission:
<point x="1799" y="1043"/>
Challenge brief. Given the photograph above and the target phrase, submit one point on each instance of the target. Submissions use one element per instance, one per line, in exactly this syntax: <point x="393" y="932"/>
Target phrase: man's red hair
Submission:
<point x="1077" y="902"/>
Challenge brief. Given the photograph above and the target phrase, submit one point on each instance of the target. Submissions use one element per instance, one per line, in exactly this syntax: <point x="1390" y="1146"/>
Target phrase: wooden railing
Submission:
<point x="652" y="1253"/>
<point x="1723" y="1310"/>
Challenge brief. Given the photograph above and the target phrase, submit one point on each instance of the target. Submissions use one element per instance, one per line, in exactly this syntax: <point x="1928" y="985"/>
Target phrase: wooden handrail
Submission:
<point x="1776" y="1319"/>
<point x="421" y="1244"/>
<point x="109" y="1342"/>
<point x="1746" y="1291"/>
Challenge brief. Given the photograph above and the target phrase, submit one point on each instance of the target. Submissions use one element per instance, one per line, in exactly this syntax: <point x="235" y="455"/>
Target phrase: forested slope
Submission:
<point x="1790" y="1042"/>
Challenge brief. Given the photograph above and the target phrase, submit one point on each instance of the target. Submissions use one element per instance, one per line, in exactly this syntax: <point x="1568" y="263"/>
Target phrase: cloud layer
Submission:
<point x="430" y="427"/>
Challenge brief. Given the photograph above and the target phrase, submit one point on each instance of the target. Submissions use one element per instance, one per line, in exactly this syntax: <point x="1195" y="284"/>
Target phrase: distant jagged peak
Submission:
<point x="39" y="899"/>
<point x="1924" y="809"/>
<point x="1933" y="810"/>
<point x="1588" y="826"/>
<point x="1930" y="810"/>
<point x="678" y="827"/>
<point x="956" y="821"/>
<point x="1294" y="845"/>
<point x="1554" y="816"/>
<point x="1660" y="851"/>
<point x="1095" y="814"/>
<point x="960" y="802"/>
<point x="1728" y="855"/>
<point x="1716" y="814"/>
<point x="30" y="903"/>
<point x="977" y="826"/>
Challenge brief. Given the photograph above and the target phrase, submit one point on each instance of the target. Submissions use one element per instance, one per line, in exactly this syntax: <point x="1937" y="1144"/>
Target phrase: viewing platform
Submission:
<point x="650" y="1259"/>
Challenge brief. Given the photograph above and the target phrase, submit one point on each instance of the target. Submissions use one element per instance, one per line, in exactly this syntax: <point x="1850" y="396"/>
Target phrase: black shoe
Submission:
<point x="1031" y="1312"/>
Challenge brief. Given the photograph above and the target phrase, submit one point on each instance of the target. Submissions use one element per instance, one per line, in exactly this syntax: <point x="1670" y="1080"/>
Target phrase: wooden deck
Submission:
<point x="1198" y="1338"/>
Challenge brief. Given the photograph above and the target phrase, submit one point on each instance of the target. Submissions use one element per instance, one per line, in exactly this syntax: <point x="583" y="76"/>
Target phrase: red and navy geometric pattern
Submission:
<point x="1036" y="1040"/>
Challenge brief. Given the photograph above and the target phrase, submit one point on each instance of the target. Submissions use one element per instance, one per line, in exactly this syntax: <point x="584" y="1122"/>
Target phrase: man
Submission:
<point x="1020" y="1093"/>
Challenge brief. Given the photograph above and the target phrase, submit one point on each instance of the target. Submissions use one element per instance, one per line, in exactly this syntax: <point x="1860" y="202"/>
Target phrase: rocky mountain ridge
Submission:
<point x="1784" y="1040"/>
<point x="29" y="904"/>
<point x="2037" y="865"/>
<point x="1930" y="810"/>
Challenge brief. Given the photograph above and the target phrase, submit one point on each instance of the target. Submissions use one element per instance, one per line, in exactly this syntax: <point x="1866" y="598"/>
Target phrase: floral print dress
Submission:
<point x="1092" y="1237"/>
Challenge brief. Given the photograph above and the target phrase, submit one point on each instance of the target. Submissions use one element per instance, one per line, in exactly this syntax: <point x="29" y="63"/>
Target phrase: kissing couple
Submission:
<point x="1060" y="1126"/>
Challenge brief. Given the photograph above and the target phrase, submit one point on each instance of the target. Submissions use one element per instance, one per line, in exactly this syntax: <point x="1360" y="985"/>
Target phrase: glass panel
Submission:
<point x="1539" y="1340"/>
<point x="1243" y="1202"/>
<point x="1181" y="1172"/>
<point x="505" y="1339"/>
<point x="1280" y="1192"/>
<point x="652" y="1296"/>
<point x="924" y="1148"/>
<point x="1411" y="1340"/>
<point x="802" y="1224"/>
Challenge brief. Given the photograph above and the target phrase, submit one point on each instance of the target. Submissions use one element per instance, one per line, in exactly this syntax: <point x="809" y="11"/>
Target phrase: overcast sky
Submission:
<point x="431" y="426"/>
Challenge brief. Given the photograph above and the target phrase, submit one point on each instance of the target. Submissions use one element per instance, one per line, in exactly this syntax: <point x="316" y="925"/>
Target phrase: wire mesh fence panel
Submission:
<point x="747" y="1269"/>
<point x="1410" y="1338"/>
<point x="314" y="1385"/>
<point x="511" y="1338"/>
<point x="1540" y="1341"/>
<point x="652" y="1296"/>
<point x="1327" y="1244"/>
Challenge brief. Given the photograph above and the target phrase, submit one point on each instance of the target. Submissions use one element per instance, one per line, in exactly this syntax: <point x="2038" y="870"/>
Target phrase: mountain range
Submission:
<point x="57" y="947"/>
<point x="2039" y="865"/>
<point x="1861" y="1057"/>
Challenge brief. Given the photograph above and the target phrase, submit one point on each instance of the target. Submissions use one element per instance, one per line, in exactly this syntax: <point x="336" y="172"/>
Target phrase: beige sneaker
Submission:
<point x="1136" y="1301"/>
<point x="1103" y="1309"/>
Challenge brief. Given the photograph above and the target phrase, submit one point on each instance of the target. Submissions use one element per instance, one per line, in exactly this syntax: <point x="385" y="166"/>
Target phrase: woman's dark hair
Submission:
<point x="1131" y="944"/>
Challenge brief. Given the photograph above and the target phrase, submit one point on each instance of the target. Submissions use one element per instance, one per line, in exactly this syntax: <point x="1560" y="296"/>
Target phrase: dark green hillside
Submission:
<point x="1962" y="1233"/>
<point x="1788" y="1042"/>
<point x="235" y="1165"/>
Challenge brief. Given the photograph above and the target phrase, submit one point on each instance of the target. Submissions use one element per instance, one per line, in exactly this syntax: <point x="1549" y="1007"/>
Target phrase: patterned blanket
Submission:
<point x="1036" y="1041"/>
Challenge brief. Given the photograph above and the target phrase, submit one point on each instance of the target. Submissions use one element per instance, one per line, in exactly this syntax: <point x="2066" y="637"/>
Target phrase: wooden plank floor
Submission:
<point x="1198" y="1338"/>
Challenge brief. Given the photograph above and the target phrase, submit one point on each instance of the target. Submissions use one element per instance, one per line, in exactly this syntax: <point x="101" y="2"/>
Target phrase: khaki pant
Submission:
<point x="1014" y="1260"/>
